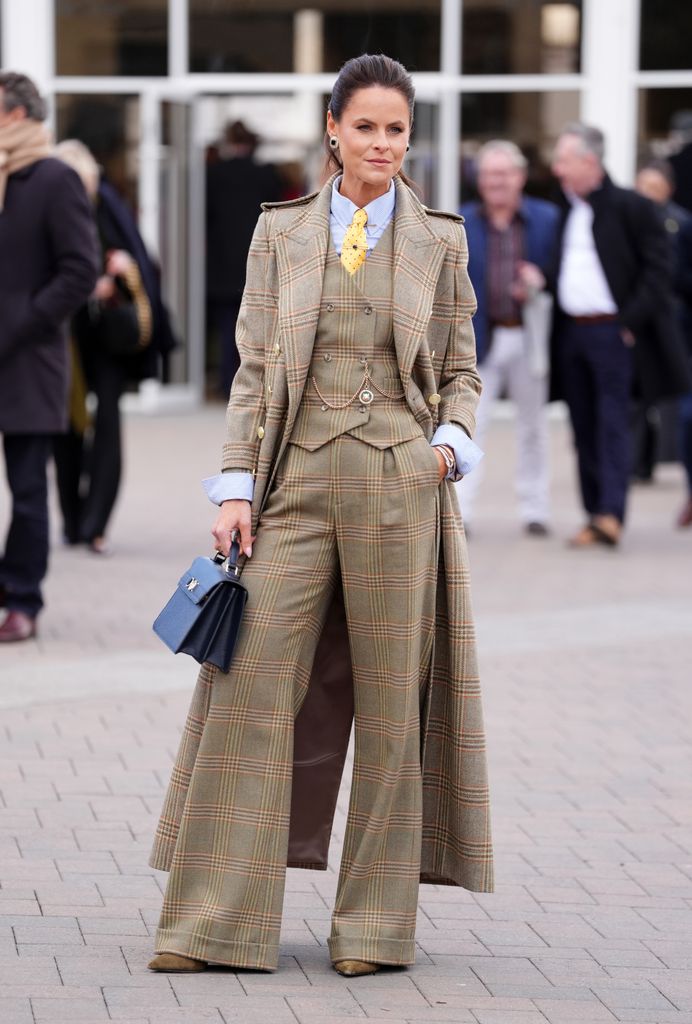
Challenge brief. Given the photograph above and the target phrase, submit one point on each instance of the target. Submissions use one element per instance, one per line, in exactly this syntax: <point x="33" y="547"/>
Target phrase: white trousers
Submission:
<point x="506" y="369"/>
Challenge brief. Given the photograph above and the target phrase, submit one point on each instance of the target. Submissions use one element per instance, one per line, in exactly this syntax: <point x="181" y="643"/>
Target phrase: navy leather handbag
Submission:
<point x="203" y="616"/>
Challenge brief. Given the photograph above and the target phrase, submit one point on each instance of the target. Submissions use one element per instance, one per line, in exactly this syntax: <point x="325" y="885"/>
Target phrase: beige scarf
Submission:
<point x="21" y="143"/>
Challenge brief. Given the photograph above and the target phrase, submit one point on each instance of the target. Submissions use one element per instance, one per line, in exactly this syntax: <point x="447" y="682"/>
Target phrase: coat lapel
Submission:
<point x="418" y="256"/>
<point x="301" y="253"/>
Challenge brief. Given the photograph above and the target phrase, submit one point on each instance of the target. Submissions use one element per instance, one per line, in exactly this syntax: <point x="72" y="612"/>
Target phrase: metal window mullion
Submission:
<point x="663" y="79"/>
<point x="178" y="38"/>
<point x="196" y="316"/>
<point x="149" y="169"/>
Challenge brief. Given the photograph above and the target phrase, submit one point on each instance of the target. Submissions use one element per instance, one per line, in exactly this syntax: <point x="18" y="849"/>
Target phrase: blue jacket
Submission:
<point x="541" y="220"/>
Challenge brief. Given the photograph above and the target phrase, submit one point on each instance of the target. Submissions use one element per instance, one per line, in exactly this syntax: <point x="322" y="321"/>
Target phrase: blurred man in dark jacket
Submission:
<point x="48" y="267"/>
<point x="614" y="330"/>
<point x="656" y="180"/>
<point x="684" y="286"/>
<point x="236" y="185"/>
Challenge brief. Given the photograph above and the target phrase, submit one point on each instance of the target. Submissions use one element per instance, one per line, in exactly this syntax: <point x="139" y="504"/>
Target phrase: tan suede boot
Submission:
<point x="354" y="968"/>
<point x="173" y="963"/>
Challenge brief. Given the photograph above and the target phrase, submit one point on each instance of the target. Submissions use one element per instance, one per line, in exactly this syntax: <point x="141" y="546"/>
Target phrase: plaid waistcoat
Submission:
<point x="355" y="333"/>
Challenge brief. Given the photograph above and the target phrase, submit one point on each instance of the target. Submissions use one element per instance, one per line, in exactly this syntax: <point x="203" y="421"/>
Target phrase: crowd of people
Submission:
<point x="587" y="299"/>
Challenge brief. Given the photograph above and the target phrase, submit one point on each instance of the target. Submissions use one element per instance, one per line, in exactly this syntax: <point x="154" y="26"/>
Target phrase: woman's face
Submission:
<point x="373" y="133"/>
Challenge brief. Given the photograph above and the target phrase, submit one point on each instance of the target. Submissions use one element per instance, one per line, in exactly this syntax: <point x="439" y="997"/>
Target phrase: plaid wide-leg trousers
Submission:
<point x="347" y="515"/>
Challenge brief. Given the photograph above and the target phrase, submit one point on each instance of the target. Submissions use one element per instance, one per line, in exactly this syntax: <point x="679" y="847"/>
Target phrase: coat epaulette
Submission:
<point x="287" y="204"/>
<point x="444" y="213"/>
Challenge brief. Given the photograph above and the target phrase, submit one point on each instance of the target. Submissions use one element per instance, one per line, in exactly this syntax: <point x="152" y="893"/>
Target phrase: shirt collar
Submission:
<point x="379" y="211"/>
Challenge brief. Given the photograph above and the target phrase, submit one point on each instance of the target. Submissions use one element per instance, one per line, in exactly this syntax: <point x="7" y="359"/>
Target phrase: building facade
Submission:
<point x="149" y="84"/>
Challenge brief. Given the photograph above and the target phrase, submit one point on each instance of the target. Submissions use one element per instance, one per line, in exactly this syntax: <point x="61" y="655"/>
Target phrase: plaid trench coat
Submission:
<point x="434" y="342"/>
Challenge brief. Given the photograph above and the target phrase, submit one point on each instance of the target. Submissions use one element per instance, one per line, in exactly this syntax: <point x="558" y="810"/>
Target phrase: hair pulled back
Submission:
<point x="362" y="73"/>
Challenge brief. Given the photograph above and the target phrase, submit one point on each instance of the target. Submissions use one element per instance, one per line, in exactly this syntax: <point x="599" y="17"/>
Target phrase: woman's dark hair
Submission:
<point x="362" y="73"/>
<point x="20" y="91"/>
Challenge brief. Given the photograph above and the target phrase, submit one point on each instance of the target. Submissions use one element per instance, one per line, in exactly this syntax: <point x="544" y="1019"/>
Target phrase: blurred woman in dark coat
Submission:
<point x="118" y="336"/>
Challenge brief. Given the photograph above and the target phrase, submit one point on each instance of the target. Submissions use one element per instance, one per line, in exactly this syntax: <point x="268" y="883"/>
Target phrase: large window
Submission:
<point x="111" y="37"/>
<point x="666" y="35"/>
<point x="665" y="116"/>
<point x="521" y="37"/>
<point x="312" y="35"/>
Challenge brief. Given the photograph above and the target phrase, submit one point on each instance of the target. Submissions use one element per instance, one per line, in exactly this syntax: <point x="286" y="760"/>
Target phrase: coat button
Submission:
<point x="260" y="432"/>
<point x="277" y="349"/>
<point x="327" y="357"/>
<point x="330" y="307"/>
<point x="435" y="399"/>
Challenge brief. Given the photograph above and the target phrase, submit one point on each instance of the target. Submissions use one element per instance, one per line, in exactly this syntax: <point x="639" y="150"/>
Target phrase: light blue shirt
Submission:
<point x="230" y="485"/>
<point x="380" y="212"/>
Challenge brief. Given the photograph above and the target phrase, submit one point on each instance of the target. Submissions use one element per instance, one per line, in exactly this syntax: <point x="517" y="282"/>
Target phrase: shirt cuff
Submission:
<point x="229" y="486"/>
<point x="466" y="452"/>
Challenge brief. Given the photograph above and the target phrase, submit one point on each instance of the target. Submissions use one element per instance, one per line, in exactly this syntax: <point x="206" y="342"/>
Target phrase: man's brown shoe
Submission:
<point x="353" y="968"/>
<point x="17" y="626"/>
<point x="607" y="529"/>
<point x="173" y="963"/>
<point x="586" y="538"/>
<point x="685" y="517"/>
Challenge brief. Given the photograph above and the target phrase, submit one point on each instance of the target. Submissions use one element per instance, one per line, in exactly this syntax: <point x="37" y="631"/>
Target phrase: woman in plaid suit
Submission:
<point x="348" y="421"/>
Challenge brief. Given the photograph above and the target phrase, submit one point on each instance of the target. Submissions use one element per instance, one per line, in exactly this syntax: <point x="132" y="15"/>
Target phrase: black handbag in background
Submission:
<point x="203" y="616"/>
<point x="114" y="324"/>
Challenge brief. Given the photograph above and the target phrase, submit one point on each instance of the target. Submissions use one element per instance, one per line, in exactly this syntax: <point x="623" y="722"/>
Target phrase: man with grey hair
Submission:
<point x="613" y="334"/>
<point x="511" y="239"/>
<point x="48" y="267"/>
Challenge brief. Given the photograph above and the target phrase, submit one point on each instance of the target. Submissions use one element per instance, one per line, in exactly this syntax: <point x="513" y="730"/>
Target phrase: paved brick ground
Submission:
<point x="586" y="662"/>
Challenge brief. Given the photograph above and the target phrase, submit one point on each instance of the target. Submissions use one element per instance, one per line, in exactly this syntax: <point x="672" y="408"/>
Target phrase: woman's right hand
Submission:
<point x="234" y="517"/>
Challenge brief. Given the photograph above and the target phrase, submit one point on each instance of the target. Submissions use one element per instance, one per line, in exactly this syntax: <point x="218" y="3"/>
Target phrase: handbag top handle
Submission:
<point x="231" y="561"/>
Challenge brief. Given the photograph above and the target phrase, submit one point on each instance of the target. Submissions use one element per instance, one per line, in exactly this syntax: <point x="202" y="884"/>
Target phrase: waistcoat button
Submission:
<point x="330" y="307"/>
<point x="327" y="357"/>
<point x="277" y="349"/>
<point x="260" y="432"/>
<point x="368" y="310"/>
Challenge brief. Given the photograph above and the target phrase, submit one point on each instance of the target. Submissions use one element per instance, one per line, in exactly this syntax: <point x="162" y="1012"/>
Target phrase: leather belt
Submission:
<point x="601" y="318"/>
<point x="506" y="323"/>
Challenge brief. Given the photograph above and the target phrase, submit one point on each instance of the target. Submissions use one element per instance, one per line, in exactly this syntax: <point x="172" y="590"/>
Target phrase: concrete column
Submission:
<point x="28" y="39"/>
<point x="610" y="48"/>
<point x="450" y="108"/>
<point x="308" y="58"/>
